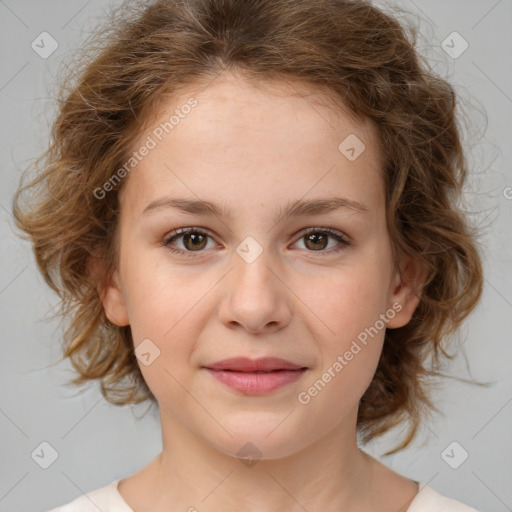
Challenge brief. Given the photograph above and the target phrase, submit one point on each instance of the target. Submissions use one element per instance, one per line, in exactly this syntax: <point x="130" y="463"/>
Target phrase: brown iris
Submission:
<point x="197" y="241"/>
<point x="314" y="238"/>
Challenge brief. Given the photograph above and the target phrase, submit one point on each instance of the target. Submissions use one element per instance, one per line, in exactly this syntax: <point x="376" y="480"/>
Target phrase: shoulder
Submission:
<point x="106" y="499"/>
<point x="429" y="500"/>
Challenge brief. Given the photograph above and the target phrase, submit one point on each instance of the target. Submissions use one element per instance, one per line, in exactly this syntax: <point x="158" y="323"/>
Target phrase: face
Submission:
<point x="313" y="285"/>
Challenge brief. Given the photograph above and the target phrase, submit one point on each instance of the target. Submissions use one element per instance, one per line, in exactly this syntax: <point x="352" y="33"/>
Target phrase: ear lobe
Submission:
<point x="109" y="292"/>
<point x="406" y="290"/>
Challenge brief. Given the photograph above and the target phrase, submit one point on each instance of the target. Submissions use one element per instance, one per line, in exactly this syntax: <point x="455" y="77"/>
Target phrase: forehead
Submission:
<point x="270" y="105"/>
<point x="276" y="137"/>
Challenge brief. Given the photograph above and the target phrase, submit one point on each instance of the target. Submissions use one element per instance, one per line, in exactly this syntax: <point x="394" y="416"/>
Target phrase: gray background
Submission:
<point x="97" y="442"/>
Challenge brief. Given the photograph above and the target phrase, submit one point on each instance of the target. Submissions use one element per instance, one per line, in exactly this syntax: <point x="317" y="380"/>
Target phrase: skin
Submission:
<point x="253" y="150"/>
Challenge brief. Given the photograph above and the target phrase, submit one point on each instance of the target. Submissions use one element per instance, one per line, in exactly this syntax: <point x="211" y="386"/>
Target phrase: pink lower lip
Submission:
<point x="251" y="383"/>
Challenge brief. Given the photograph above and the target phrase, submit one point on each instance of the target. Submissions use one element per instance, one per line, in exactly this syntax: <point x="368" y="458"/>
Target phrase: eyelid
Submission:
<point x="319" y="229"/>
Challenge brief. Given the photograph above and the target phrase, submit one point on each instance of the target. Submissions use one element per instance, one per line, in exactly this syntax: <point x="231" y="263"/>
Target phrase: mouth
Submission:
<point x="256" y="376"/>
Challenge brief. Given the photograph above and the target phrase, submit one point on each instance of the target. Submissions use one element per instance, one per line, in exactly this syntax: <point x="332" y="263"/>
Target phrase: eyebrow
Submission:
<point x="294" y="208"/>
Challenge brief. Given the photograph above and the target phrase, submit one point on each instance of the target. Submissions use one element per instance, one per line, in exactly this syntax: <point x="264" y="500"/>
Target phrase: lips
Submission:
<point x="256" y="376"/>
<point x="245" y="364"/>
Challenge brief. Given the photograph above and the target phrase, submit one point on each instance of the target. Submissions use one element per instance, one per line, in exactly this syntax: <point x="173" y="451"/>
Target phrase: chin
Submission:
<point x="251" y="444"/>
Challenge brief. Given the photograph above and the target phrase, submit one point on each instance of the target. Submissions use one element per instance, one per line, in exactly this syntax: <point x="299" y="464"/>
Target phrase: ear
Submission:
<point x="109" y="291"/>
<point x="406" y="290"/>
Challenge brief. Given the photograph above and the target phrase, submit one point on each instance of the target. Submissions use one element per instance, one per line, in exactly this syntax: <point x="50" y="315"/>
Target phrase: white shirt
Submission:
<point x="108" y="499"/>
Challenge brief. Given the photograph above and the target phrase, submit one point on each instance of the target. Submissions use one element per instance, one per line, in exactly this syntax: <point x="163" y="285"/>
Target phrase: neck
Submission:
<point x="331" y="474"/>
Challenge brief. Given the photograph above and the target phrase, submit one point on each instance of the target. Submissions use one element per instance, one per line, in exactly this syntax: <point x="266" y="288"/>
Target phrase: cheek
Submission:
<point x="345" y="302"/>
<point x="344" y="317"/>
<point x="349" y="340"/>
<point x="166" y="305"/>
<point x="160" y="295"/>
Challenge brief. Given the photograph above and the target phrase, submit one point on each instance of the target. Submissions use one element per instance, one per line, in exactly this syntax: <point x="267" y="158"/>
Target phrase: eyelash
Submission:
<point x="344" y="243"/>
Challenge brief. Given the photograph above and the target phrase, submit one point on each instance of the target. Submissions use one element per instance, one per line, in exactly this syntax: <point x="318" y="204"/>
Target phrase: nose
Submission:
<point x="255" y="296"/>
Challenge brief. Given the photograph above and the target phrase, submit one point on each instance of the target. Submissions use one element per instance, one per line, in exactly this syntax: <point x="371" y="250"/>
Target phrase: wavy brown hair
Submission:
<point x="366" y="59"/>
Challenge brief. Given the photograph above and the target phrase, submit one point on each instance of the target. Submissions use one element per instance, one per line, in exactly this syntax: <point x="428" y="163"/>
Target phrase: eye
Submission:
<point x="194" y="240"/>
<point x="316" y="239"/>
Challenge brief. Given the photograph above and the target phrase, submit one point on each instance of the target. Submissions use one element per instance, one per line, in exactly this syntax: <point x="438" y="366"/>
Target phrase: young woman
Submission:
<point x="249" y="211"/>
